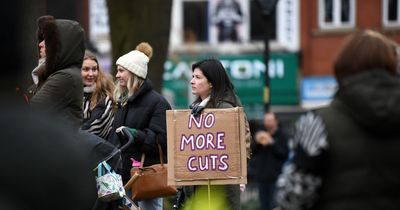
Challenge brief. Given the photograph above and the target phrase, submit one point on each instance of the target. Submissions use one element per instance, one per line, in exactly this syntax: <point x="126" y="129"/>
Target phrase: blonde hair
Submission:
<point x="104" y="82"/>
<point x="134" y="82"/>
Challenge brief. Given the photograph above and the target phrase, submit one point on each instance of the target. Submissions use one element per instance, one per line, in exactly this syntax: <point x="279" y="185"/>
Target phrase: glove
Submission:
<point x="133" y="131"/>
<point x="196" y="111"/>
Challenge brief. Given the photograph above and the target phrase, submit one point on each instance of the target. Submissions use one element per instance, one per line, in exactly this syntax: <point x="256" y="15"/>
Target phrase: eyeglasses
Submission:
<point x="86" y="68"/>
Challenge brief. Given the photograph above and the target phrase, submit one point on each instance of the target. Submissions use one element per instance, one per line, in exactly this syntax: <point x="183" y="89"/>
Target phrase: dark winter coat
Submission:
<point x="268" y="160"/>
<point x="60" y="88"/>
<point x="362" y="162"/>
<point x="146" y="112"/>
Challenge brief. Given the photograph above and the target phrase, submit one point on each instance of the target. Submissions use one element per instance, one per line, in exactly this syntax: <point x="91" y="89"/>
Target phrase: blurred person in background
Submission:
<point x="98" y="99"/>
<point x="44" y="166"/>
<point x="347" y="155"/>
<point x="270" y="150"/>
<point x="60" y="84"/>
<point x="143" y="111"/>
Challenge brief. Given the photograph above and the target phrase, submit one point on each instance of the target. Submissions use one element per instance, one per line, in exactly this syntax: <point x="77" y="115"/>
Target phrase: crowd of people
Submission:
<point x="70" y="85"/>
<point x="343" y="156"/>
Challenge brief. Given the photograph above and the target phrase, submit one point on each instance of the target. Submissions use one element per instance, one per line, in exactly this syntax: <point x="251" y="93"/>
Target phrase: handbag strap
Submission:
<point x="159" y="152"/>
<point x="100" y="168"/>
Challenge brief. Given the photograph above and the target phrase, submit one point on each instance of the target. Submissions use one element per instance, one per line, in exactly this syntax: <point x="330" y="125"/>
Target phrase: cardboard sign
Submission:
<point x="208" y="149"/>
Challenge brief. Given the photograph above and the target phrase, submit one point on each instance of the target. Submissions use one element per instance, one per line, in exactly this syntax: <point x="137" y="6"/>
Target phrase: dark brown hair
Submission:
<point x="365" y="50"/>
<point x="104" y="82"/>
<point x="47" y="30"/>
<point x="223" y="89"/>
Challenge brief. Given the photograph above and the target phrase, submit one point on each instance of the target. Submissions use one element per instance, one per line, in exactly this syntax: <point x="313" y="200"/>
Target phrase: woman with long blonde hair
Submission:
<point x="143" y="111"/>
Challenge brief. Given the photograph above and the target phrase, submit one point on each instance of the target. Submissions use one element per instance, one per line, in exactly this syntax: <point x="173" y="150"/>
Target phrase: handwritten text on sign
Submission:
<point x="204" y="141"/>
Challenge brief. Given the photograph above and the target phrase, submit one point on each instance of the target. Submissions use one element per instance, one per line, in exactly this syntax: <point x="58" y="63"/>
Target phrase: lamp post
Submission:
<point x="267" y="8"/>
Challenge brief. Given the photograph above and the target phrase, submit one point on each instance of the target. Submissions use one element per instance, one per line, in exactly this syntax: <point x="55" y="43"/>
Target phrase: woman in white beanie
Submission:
<point x="142" y="110"/>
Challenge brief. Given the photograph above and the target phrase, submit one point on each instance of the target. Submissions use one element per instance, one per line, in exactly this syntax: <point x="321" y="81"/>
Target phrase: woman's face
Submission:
<point x="42" y="49"/>
<point x="200" y="85"/>
<point x="89" y="72"/>
<point x="122" y="76"/>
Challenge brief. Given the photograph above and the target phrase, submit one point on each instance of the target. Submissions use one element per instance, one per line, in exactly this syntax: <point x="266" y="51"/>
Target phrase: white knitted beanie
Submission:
<point x="135" y="62"/>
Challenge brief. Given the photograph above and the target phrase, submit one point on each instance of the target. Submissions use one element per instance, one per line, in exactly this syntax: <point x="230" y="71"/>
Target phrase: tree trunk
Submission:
<point x="26" y="39"/>
<point x="134" y="21"/>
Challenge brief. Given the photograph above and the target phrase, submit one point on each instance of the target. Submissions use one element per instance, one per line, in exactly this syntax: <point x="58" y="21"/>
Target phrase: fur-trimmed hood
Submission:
<point x="65" y="45"/>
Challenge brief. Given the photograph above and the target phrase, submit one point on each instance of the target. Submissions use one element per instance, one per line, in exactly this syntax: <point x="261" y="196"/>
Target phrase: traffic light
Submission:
<point x="267" y="7"/>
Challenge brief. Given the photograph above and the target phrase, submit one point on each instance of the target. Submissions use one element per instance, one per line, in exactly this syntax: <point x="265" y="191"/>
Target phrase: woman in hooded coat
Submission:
<point x="59" y="90"/>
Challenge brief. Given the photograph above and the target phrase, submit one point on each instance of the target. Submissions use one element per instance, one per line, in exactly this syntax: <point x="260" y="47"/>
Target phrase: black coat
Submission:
<point x="146" y="112"/>
<point x="268" y="160"/>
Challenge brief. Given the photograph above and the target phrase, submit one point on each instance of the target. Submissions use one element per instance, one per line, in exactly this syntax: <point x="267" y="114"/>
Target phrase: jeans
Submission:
<point x="153" y="204"/>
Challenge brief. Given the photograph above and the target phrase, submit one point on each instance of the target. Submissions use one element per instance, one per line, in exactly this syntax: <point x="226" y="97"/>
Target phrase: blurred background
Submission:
<point x="278" y="53"/>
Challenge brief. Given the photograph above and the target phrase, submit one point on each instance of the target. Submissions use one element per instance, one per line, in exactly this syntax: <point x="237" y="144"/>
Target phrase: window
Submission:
<point x="391" y="13"/>
<point x="195" y="21"/>
<point x="194" y="24"/>
<point x="336" y="14"/>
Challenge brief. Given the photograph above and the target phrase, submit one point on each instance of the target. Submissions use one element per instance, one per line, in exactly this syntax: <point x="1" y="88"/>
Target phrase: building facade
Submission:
<point x="324" y="24"/>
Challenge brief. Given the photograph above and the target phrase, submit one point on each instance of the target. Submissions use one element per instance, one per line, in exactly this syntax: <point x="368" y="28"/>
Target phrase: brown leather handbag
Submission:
<point x="151" y="181"/>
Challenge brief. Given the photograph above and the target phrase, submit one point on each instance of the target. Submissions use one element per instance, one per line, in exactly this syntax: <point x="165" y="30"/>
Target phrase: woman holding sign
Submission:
<point x="213" y="88"/>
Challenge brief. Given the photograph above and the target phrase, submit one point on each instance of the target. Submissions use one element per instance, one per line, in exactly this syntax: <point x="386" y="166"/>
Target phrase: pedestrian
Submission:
<point x="213" y="88"/>
<point x="60" y="84"/>
<point x="270" y="150"/>
<point x="44" y="166"/>
<point x="143" y="111"/>
<point x="98" y="102"/>
<point x="347" y="154"/>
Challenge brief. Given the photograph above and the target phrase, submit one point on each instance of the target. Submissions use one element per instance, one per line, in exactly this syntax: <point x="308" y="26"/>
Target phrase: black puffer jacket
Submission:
<point x="60" y="89"/>
<point x="146" y="112"/>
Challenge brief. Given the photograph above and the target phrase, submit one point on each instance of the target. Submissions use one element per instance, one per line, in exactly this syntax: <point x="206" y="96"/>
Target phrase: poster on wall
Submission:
<point x="228" y="21"/>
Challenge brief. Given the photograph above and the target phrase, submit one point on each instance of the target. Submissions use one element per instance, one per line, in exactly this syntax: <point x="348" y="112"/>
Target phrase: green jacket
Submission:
<point x="61" y="93"/>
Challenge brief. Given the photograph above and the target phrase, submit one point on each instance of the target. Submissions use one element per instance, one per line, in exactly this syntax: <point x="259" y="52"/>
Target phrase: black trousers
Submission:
<point x="266" y="194"/>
